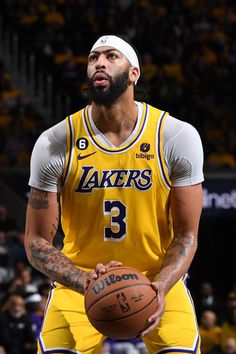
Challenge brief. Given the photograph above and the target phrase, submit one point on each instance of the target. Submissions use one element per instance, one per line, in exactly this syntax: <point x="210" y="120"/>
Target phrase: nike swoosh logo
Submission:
<point x="79" y="157"/>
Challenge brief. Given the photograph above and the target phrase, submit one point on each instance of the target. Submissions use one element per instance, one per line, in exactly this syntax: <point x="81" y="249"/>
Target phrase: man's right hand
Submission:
<point x="100" y="269"/>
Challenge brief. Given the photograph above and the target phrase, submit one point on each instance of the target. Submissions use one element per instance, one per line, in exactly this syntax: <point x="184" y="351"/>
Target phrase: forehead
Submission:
<point x="17" y="301"/>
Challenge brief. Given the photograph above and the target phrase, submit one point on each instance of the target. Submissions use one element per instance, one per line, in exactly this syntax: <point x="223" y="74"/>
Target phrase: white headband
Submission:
<point x="121" y="45"/>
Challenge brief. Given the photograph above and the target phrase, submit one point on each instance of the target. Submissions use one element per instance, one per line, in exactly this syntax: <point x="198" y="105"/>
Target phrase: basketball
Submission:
<point x="119" y="303"/>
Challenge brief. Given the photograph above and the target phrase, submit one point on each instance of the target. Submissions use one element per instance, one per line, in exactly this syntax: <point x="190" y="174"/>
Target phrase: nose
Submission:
<point x="101" y="61"/>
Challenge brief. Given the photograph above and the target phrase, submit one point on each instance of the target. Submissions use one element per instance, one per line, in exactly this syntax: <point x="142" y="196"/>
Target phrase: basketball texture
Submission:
<point x="119" y="303"/>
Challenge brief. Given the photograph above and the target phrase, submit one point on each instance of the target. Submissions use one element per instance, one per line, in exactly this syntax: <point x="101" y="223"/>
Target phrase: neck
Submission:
<point x="116" y="122"/>
<point x="115" y="117"/>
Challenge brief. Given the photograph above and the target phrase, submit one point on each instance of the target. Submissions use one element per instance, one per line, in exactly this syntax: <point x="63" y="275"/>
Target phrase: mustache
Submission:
<point x="101" y="72"/>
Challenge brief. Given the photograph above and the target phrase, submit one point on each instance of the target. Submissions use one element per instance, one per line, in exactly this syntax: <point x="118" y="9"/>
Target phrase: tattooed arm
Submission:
<point x="41" y="225"/>
<point x="186" y="206"/>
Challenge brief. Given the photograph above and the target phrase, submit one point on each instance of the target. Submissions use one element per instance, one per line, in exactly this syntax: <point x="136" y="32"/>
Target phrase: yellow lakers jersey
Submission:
<point x="115" y="201"/>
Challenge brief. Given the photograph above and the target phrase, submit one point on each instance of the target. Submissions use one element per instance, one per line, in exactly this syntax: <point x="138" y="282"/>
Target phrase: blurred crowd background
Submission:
<point x="188" y="53"/>
<point x="188" y="67"/>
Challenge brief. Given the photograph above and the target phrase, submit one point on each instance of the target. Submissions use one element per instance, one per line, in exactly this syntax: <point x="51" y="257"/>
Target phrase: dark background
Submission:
<point x="215" y="258"/>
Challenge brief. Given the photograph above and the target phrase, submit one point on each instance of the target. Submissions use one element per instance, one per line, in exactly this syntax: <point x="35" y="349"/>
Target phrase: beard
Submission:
<point x="106" y="97"/>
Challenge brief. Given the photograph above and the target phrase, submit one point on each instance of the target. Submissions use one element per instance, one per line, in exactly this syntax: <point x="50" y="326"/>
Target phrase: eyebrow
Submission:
<point x="104" y="51"/>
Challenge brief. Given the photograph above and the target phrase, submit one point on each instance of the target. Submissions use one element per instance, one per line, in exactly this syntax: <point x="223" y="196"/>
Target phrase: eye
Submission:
<point x="111" y="55"/>
<point x="92" y="58"/>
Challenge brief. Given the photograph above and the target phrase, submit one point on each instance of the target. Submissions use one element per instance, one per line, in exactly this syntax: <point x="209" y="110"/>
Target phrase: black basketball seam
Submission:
<point x="121" y="318"/>
<point x="112" y="291"/>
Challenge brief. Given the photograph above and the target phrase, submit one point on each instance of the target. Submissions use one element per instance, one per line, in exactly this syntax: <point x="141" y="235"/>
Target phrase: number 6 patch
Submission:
<point x="82" y="143"/>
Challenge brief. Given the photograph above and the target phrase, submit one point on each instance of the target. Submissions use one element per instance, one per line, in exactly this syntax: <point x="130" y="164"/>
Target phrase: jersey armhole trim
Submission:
<point x="160" y="154"/>
<point x="70" y="140"/>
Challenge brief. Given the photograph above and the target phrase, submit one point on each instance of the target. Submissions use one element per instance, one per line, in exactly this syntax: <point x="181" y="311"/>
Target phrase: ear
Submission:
<point x="134" y="74"/>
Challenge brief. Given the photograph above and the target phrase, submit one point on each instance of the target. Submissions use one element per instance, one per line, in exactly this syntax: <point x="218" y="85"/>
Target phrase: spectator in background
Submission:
<point x="4" y="255"/>
<point x="16" y="328"/>
<point x="2" y="140"/>
<point x="24" y="284"/>
<point x="44" y="287"/>
<point x="230" y="346"/>
<point x="6" y="265"/>
<point x="231" y="298"/>
<point x="210" y="333"/>
<point x="15" y="145"/>
<point x="20" y="266"/>
<point x="229" y="326"/>
<point x="208" y="300"/>
<point x="19" y="250"/>
<point x="35" y="305"/>
<point x="13" y="239"/>
<point x="7" y="224"/>
<point x="221" y="157"/>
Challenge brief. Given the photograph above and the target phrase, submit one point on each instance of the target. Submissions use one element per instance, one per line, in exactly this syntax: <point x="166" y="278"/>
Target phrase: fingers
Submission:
<point x="155" y="318"/>
<point x="102" y="269"/>
<point x="93" y="274"/>
<point x="99" y="270"/>
<point x="154" y="286"/>
<point x="153" y="321"/>
<point x="88" y="277"/>
<point x="86" y="284"/>
<point x="152" y="326"/>
<point x="114" y="264"/>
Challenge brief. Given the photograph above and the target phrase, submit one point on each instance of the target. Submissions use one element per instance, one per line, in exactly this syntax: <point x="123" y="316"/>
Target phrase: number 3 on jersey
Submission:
<point x="117" y="212"/>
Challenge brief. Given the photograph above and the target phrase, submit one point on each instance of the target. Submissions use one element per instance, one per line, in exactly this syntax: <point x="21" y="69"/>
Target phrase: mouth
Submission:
<point x="100" y="79"/>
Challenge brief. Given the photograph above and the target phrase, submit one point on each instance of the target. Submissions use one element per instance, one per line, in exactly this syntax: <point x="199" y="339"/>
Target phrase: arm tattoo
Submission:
<point x="177" y="259"/>
<point x="179" y="248"/>
<point x="44" y="256"/>
<point x="181" y="244"/>
<point x="38" y="199"/>
<point x="55" y="265"/>
<point x="54" y="229"/>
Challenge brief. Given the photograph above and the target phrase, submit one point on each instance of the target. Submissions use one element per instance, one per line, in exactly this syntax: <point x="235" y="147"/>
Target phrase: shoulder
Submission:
<point x="48" y="158"/>
<point x="56" y="134"/>
<point x="183" y="152"/>
<point x="174" y="127"/>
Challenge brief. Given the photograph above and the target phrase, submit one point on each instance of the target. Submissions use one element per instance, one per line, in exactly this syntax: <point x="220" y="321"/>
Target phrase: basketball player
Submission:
<point x="125" y="179"/>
